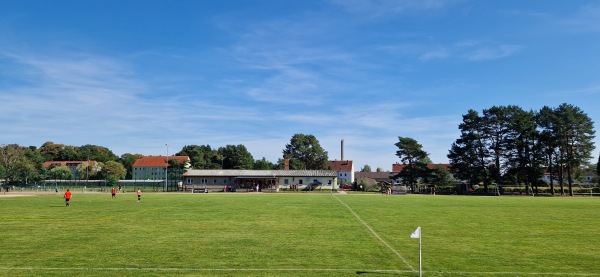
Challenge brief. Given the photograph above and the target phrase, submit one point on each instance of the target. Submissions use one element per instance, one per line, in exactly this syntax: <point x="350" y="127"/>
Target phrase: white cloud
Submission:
<point x="493" y="52"/>
<point x="587" y="19"/>
<point x="379" y="8"/>
<point x="435" y="55"/>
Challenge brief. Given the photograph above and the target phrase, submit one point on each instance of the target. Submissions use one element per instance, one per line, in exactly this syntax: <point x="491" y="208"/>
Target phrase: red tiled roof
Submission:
<point x="156" y="161"/>
<point x="400" y="167"/>
<point x="344" y="166"/>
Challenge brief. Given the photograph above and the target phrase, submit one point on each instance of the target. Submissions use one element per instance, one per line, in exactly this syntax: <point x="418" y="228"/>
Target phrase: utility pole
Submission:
<point x="167" y="168"/>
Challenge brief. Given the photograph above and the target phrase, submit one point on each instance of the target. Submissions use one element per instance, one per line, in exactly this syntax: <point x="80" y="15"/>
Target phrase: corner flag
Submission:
<point x="416" y="234"/>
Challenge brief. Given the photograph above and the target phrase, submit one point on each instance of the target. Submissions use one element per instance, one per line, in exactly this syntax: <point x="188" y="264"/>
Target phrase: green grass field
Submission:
<point x="302" y="234"/>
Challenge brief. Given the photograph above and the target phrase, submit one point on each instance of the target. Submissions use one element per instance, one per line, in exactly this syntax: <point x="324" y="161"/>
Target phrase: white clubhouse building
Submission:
<point x="257" y="180"/>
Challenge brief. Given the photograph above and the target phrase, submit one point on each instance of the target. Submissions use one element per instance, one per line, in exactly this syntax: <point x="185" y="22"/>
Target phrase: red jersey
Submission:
<point x="68" y="195"/>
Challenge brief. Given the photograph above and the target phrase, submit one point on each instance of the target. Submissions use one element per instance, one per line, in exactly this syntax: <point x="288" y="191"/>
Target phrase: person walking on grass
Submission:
<point x="139" y="194"/>
<point x="67" y="197"/>
<point x="114" y="193"/>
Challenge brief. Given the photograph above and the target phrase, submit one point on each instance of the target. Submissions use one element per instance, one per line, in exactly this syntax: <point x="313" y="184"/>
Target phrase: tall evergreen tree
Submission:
<point x="547" y="123"/>
<point x="469" y="154"/>
<point x="412" y="155"/>
<point x="575" y="140"/>
<point x="524" y="155"/>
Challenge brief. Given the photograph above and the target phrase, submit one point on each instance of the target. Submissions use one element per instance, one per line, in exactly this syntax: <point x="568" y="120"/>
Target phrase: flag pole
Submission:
<point x="417" y="235"/>
<point x="420" y="255"/>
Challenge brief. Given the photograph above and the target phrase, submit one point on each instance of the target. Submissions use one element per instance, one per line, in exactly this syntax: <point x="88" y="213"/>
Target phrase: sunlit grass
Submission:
<point x="297" y="235"/>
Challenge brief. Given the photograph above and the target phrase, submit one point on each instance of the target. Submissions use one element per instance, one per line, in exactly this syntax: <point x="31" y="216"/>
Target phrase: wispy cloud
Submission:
<point x="438" y="54"/>
<point x="587" y="19"/>
<point x="470" y="50"/>
<point x="379" y="8"/>
<point x="289" y="66"/>
<point x="492" y="52"/>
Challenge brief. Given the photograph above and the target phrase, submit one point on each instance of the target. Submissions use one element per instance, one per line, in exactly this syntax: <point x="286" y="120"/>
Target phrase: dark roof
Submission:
<point x="373" y="175"/>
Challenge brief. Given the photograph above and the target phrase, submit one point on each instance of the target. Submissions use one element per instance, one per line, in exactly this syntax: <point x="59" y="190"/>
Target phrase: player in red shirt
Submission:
<point x="114" y="193"/>
<point x="67" y="197"/>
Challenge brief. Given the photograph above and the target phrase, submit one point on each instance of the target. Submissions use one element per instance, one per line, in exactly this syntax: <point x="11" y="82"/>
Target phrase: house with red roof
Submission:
<point x="153" y="167"/>
<point x="70" y="164"/>
<point x="344" y="168"/>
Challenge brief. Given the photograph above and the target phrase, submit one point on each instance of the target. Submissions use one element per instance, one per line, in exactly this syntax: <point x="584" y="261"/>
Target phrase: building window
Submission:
<point x="286" y="181"/>
<point x="329" y="182"/>
<point x="225" y="181"/>
<point x="300" y="181"/>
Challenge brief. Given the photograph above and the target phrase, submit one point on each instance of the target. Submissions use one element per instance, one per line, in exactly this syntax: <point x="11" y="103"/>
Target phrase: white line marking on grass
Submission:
<point x="375" y="234"/>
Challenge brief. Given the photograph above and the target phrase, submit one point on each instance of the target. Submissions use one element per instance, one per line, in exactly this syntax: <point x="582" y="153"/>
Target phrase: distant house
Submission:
<point x="344" y="168"/>
<point x="588" y="178"/>
<point x="70" y="164"/>
<point x="379" y="177"/>
<point x="153" y="167"/>
<point x="261" y="179"/>
<point x="370" y="179"/>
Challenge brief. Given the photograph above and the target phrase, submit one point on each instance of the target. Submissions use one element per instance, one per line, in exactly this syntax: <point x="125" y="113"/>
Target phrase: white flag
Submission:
<point x="416" y="234"/>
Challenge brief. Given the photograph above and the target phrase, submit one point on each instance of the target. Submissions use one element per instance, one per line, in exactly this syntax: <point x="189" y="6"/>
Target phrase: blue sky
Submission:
<point x="136" y="75"/>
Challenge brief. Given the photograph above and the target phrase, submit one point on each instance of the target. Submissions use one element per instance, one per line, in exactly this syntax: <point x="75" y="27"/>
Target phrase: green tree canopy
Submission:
<point x="236" y="157"/>
<point x="113" y="168"/>
<point x="128" y="160"/>
<point x="89" y="171"/>
<point x="412" y="155"/>
<point x="510" y="144"/>
<point x="263" y="164"/>
<point x="202" y="156"/>
<point x="305" y="152"/>
<point x="96" y="153"/>
<point x="61" y="172"/>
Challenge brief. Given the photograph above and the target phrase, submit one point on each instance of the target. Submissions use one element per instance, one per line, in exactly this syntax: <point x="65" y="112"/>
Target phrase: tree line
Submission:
<point x="23" y="165"/>
<point x="508" y="145"/>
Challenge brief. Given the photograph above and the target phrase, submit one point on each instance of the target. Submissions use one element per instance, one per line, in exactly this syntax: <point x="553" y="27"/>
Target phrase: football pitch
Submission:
<point x="298" y="234"/>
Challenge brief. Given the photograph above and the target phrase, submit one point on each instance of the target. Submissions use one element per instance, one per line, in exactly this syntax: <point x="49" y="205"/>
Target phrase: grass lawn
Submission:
<point x="297" y="234"/>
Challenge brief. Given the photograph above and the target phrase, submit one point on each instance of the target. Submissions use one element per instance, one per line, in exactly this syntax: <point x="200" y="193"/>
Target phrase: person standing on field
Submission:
<point x="139" y="194"/>
<point x="114" y="193"/>
<point x="67" y="197"/>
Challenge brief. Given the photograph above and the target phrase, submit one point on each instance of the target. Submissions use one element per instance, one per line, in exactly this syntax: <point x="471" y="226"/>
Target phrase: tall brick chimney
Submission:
<point x="286" y="162"/>
<point x="342" y="150"/>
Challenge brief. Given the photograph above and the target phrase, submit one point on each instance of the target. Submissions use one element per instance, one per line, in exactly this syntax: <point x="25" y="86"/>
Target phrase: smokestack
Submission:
<point x="342" y="150"/>
<point x="286" y="162"/>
